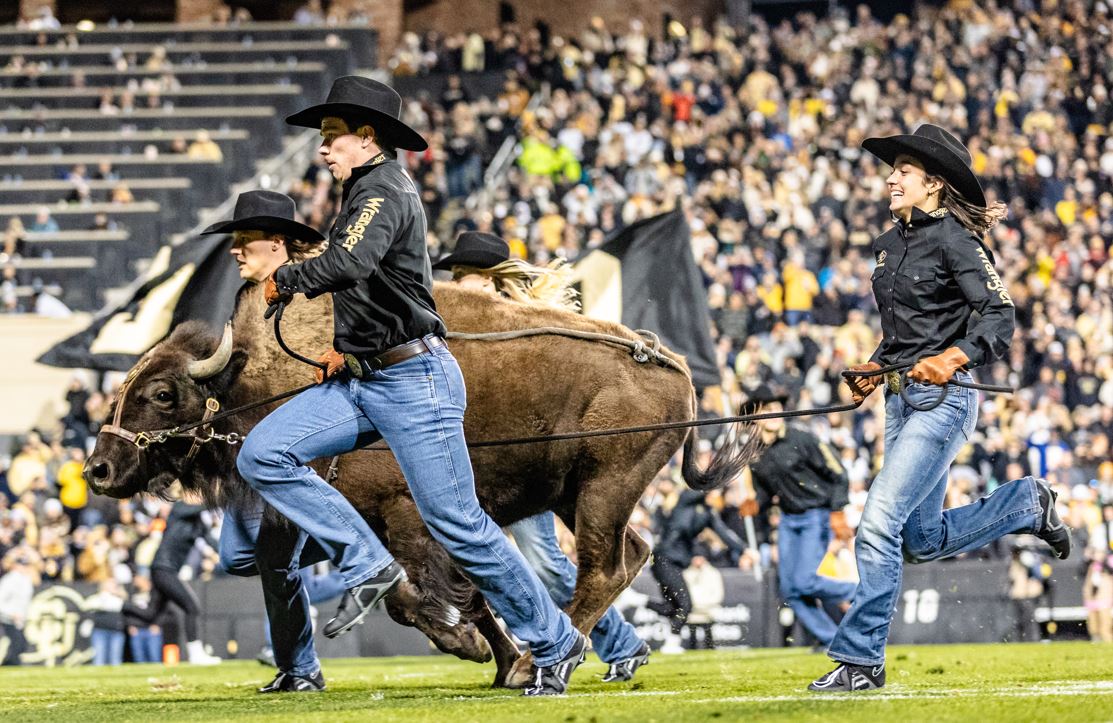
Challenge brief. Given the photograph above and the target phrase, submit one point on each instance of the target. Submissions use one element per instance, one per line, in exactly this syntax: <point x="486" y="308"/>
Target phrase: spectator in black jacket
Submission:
<point x="810" y="486"/>
<point x="682" y="516"/>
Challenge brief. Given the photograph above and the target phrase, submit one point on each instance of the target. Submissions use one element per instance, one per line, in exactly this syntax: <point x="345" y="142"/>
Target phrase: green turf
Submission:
<point x="1059" y="682"/>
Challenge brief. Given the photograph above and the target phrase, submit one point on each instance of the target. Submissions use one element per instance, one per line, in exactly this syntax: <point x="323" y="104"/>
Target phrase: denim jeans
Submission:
<point x="285" y="595"/>
<point x="145" y="646"/>
<point x="417" y="406"/>
<point x="108" y="646"/>
<point x="904" y="520"/>
<point x="613" y="638"/>
<point x="801" y="544"/>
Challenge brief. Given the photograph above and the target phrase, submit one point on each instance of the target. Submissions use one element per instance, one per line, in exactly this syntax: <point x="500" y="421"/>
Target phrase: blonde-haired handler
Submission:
<point x="390" y="375"/>
<point x="934" y="270"/>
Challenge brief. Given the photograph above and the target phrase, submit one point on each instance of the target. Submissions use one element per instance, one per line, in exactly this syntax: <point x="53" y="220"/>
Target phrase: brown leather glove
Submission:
<point x="839" y="527"/>
<point x="270" y="292"/>
<point x="748" y="508"/>
<point x="862" y="387"/>
<point x="940" y="368"/>
<point x="335" y="361"/>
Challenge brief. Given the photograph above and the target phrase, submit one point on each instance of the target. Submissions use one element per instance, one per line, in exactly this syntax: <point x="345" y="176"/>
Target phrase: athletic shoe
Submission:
<point x="266" y="656"/>
<point x="289" y="683"/>
<point x="359" y="600"/>
<point x="849" y="678"/>
<point x="197" y="655"/>
<point x="553" y="679"/>
<point x="673" y="645"/>
<point x="1052" y="530"/>
<point x="624" y="670"/>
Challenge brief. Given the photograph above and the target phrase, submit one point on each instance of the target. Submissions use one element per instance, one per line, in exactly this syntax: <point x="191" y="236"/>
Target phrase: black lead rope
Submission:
<point x="280" y="307"/>
<point x="901" y="368"/>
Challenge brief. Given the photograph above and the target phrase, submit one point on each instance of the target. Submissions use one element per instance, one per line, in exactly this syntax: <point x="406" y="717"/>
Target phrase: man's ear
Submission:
<point x="366" y="135"/>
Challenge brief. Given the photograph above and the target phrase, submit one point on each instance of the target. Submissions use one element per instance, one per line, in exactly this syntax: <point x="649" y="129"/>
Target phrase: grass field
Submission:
<point x="1059" y="682"/>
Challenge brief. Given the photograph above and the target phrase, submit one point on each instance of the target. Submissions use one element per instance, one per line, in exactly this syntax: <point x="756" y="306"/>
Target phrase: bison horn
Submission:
<point x="204" y="368"/>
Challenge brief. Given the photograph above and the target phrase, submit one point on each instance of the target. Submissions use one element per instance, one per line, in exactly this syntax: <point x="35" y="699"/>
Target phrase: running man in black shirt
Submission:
<point x="185" y="525"/>
<point x="811" y="488"/>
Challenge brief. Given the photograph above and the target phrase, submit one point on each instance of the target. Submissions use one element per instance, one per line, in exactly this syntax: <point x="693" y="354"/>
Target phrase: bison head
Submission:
<point x="167" y="388"/>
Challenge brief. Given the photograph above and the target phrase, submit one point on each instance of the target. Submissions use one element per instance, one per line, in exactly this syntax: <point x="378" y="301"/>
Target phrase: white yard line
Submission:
<point x="1052" y="689"/>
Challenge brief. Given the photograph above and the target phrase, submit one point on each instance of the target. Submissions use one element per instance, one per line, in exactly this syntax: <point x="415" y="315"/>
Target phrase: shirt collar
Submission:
<point x="920" y="218"/>
<point x="360" y="171"/>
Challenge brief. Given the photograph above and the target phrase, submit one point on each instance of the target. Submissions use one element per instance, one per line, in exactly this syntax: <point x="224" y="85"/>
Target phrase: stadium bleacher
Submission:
<point x="133" y="100"/>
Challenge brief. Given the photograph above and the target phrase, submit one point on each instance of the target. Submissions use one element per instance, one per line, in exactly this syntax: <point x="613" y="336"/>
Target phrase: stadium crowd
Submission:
<point x="755" y="133"/>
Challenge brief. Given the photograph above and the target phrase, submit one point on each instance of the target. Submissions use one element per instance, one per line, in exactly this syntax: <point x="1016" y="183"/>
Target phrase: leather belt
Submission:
<point x="364" y="366"/>
<point x="892" y="381"/>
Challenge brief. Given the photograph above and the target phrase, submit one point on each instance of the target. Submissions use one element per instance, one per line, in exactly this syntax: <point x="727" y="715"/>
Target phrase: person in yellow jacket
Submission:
<point x="800" y="289"/>
<point x="72" y="491"/>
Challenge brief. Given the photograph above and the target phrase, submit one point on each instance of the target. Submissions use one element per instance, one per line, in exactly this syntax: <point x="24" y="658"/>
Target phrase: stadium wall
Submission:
<point x="959" y="602"/>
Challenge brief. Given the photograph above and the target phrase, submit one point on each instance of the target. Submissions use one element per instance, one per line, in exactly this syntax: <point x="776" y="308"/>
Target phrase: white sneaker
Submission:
<point x="631" y="598"/>
<point x="197" y="654"/>
<point x="672" y="645"/>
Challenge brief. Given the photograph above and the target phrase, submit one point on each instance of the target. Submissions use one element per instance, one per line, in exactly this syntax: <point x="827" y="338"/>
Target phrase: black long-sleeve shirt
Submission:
<point x="802" y="471"/>
<point x="931" y="275"/>
<point x="678" y="528"/>
<point x="376" y="265"/>
<point x="184" y="525"/>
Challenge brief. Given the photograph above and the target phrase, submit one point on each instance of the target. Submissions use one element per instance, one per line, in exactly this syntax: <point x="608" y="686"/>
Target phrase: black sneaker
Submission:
<point x="624" y="670"/>
<point x="1051" y="529"/>
<point x="553" y="679"/>
<point x="849" y="678"/>
<point x="359" y="600"/>
<point x="288" y="683"/>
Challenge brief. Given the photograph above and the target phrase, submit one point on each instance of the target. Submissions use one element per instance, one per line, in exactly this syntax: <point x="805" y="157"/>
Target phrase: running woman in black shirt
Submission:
<point x="934" y="270"/>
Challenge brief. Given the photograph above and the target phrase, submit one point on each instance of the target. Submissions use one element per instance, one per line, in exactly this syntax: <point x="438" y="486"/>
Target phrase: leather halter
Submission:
<point x="200" y="434"/>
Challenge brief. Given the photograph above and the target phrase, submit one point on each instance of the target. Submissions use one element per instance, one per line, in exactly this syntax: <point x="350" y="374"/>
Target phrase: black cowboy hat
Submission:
<point x="266" y="211"/>
<point x="477" y="249"/>
<point x="763" y="394"/>
<point x="360" y="100"/>
<point x="941" y="153"/>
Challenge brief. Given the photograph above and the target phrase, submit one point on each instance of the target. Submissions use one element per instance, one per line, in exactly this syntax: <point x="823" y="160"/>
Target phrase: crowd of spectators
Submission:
<point x="755" y="134"/>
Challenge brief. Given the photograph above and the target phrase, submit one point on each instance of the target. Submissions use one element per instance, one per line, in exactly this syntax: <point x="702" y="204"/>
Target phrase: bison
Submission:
<point x="517" y="387"/>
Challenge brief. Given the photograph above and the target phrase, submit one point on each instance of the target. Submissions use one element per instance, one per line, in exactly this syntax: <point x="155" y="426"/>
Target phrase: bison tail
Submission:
<point x="726" y="464"/>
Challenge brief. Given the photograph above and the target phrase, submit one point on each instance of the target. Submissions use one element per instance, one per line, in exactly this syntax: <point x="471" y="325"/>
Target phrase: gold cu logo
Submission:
<point x="54" y="629"/>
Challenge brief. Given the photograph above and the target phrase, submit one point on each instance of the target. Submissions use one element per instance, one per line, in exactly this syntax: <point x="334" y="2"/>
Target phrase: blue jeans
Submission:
<point x="801" y="544"/>
<point x="613" y="638"/>
<point x="146" y="646"/>
<point x="903" y="519"/>
<point x="417" y="406"/>
<point x="285" y="594"/>
<point x="108" y="646"/>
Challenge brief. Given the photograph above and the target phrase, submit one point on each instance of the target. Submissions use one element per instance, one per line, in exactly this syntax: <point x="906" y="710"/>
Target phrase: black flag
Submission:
<point x="193" y="281"/>
<point x="645" y="277"/>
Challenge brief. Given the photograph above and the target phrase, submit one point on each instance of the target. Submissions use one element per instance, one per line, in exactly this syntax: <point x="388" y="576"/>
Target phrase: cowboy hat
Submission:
<point x="360" y="100"/>
<point x="941" y="153"/>
<point x="266" y="211"/>
<point x="476" y="249"/>
<point x="763" y="394"/>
